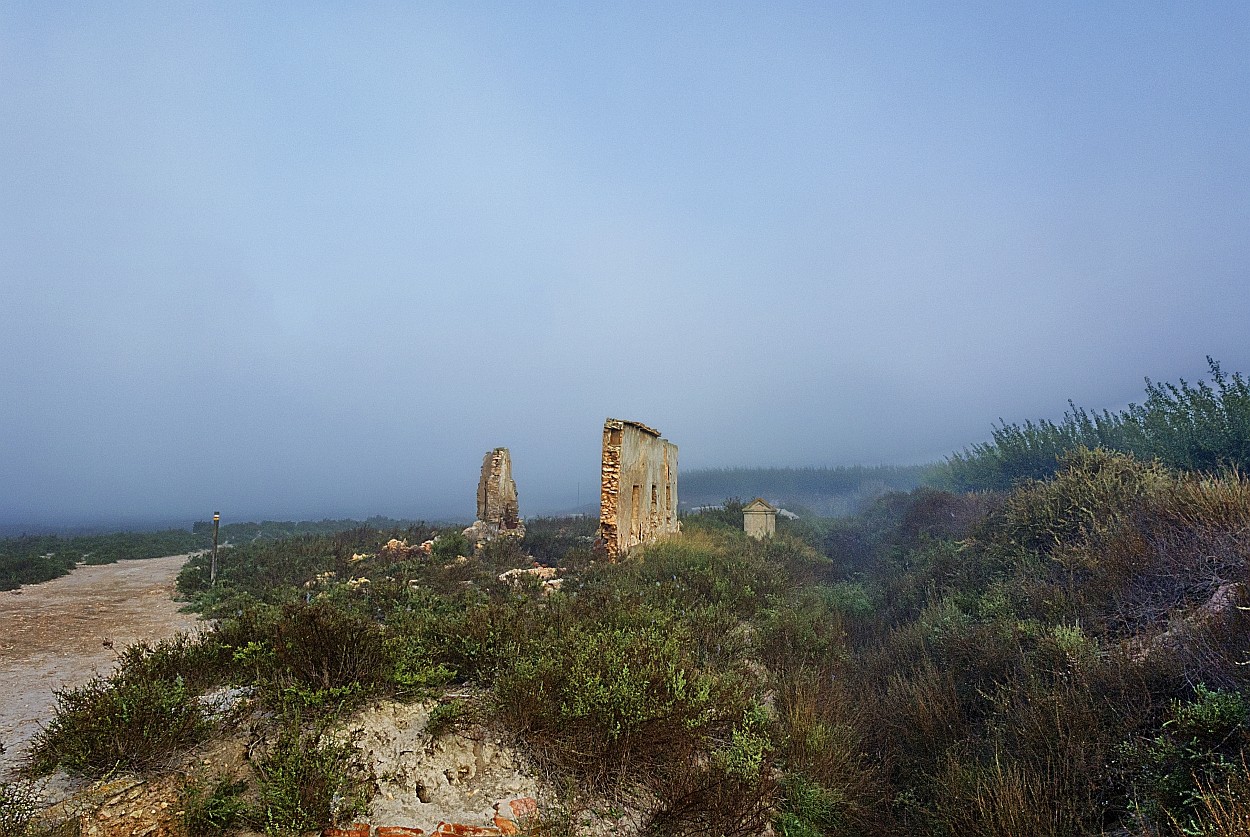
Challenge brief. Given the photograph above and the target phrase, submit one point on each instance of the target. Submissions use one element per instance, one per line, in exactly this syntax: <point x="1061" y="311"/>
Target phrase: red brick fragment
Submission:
<point x="397" y="831"/>
<point x="455" y="829"/>
<point x="356" y="829"/>
<point x="523" y="807"/>
<point x="509" y="812"/>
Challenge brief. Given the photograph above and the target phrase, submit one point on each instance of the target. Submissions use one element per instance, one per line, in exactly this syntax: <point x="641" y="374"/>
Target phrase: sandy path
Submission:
<point x="52" y="635"/>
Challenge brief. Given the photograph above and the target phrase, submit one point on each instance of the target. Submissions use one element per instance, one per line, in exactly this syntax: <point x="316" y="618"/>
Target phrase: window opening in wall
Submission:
<point x="635" y="509"/>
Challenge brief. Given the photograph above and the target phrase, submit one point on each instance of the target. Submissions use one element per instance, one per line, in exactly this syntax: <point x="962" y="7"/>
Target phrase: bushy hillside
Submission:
<point x="1202" y="427"/>
<point x="826" y="492"/>
<point x="1067" y="657"/>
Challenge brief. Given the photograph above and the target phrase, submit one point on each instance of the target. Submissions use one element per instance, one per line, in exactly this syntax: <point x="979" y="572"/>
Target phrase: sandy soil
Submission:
<point x="53" y="635"/>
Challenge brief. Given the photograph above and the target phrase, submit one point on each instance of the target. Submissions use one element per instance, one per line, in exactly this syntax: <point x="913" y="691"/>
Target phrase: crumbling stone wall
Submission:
<point x="497" y="509"/>
<point x="638" y="494"/>
<point x="496" y="491"/>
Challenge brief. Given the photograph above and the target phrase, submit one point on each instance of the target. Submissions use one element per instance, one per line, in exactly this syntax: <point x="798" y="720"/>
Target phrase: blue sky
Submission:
<point x="306" y="259"/>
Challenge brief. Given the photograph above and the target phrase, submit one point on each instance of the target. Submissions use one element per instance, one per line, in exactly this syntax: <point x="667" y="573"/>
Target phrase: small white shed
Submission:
<point x="759" y="519"/>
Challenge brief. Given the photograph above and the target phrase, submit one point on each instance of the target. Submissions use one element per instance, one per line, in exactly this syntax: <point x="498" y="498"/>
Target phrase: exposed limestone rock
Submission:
<point x="429" y="783"/>
<point x="544" y="575"/>
<point x="480" y="532"/>
<point x="130" y="806"/>
<point x="397" y="550"/>
<point x="638" y="493"/>
<point x="1187" y="633"/>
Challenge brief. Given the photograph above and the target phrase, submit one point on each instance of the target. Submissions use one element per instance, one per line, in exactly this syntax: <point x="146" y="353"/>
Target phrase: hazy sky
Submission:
<point x="316" y="259"/>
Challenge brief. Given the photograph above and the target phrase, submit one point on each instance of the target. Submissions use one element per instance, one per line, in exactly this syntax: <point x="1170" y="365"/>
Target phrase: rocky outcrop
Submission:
<point x="545" y="576"/>
<point x="1189" y="634"/>
<point x="468" y="779"/>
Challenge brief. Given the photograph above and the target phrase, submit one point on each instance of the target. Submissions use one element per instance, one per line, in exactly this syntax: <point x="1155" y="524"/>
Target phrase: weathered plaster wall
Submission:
<point x="761" y="524"/>
<point x="638" y="496"/>
<point x="759" y="519"/>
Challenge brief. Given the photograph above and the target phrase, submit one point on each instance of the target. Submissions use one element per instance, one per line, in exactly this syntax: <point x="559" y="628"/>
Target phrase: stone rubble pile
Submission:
<point x="511" y="815"/>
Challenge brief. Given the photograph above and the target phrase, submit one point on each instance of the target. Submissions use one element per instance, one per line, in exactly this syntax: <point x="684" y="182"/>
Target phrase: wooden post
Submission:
<point x="212" y="576"/>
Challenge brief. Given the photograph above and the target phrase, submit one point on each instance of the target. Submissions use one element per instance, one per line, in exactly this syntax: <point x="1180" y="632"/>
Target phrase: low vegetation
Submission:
<point x="1066" y="657"/>
<point x="31" y="559"/>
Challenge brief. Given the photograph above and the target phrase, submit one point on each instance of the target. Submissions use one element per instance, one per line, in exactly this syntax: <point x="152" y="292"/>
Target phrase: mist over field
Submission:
<point x="296" y="262"/>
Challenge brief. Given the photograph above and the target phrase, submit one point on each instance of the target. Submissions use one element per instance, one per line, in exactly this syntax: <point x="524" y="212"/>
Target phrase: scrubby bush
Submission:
<point x="323" y="645"/>
<point x="549" y="540"/>
<point x="1132" y="541"/>
<point x="22" y="813"/>
<point x="604" y="703"/>
<point x="140" y="718"/>
<point x="1201" y="428"/>
<point x="1201" y="745"/>
<point x="119" y="723"/>
<point x="1223" y="810"/>
<point x="730" y="793"/>
<point x="307" y="780"/>
<point x="19" y="802"/>
<point x="212" y="808"/>
<point x="832" y="783"/>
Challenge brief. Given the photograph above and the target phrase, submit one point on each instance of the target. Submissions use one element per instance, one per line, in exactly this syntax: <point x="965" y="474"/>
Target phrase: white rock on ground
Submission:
<point x="422" y="781"/>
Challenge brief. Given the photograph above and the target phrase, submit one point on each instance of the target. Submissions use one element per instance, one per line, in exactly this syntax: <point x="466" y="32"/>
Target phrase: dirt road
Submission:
<point x="52" y="635"/>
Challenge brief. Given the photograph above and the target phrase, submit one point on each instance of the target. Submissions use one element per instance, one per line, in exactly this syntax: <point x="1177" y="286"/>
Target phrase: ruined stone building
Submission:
<point x="638" y="497"/>
<point x="497" y="510"/>
<point x="759" y="519"/>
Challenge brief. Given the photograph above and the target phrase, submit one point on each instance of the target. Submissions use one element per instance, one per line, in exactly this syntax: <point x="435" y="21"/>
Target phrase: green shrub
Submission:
<point x="1223" y="810"/>
<point x="436" y="640"/>
<point x="1193" y="428"/>
<point x="306" y="781"/>
<point x="1201" y="744"/>
<point x="1009" y="797"/>
<point x="706" y="800"/>
<point x="599" y="703"/>
<point x="448" y="717"/>
<point x="833" y="776"/>
<point x="700" y="569"/>
<point x="809" y="810"/>
<point x="449" y="545"/>
<point x="201" y="660"/>
<point x="139" y="718"/>
<point x="1093" y="492"/>
<point x="551" y="539"/>
<point x="212" y="809"/>
<point x="325" y="645"/>
<point x="808" y="630"/>
<point x="21" y="814"/>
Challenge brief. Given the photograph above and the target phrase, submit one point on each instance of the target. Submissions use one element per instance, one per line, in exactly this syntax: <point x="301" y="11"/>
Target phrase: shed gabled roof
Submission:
<point x="758" y="504"/>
